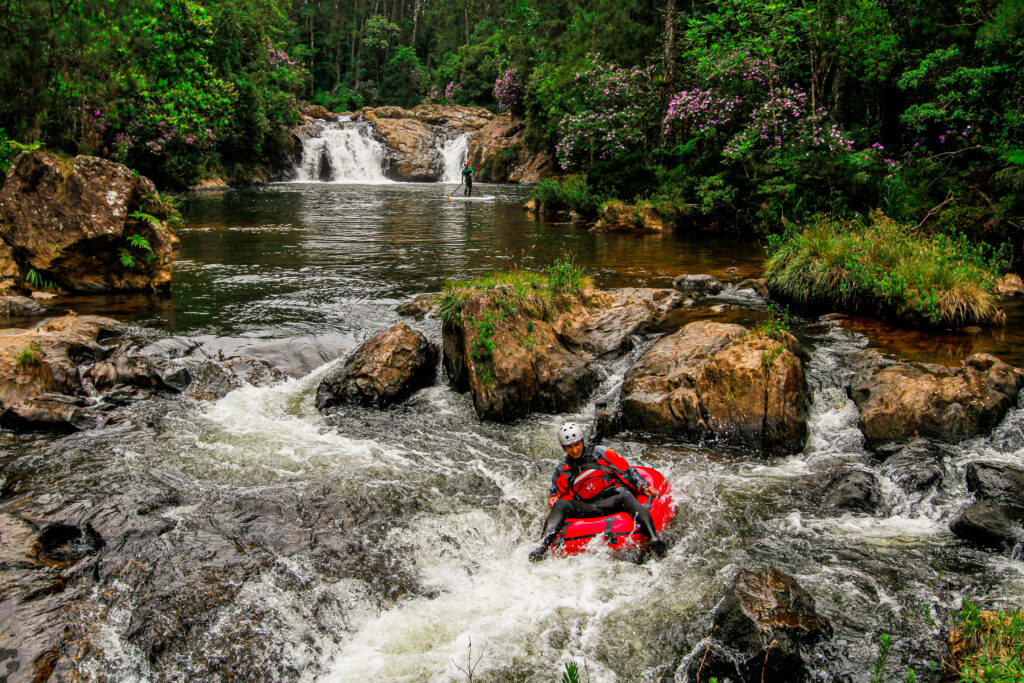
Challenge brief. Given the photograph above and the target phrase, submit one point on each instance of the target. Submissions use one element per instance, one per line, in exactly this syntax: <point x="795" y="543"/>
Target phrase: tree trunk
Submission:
<point x="668" y="68"/>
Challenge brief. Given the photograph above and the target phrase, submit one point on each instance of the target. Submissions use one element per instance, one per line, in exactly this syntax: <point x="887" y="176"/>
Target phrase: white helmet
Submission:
<point x="570" y="433"/>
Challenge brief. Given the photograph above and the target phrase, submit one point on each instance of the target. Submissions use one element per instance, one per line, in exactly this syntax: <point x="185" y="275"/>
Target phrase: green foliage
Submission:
<point x="878" y="670"/>
<point x="571" y="193"/>
<point x="987" y="646"/>
<point x="29" y="357"/>
<point x="887" y="267"/>
<point x="774" y="325"/>
<point x="564" y="276"/>
<point x="35" y="280"/>
<point x="571" y="673"/>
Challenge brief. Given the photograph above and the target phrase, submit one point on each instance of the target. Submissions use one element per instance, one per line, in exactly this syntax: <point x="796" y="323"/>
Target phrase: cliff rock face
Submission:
<point x="497" y="153"/>
<point x="714" y="379"/>
<point x="83" y="224"/>
<point x="900" y="402"/>
<point x="414" y="138"/>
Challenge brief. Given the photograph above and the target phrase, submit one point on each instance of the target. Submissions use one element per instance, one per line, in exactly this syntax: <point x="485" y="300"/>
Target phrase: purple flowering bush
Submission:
<point x="611" y="111"/>
<point x="509" y="91"/>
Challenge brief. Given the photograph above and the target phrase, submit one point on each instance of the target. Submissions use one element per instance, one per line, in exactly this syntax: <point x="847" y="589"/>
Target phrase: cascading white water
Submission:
<point x="454" y="153"/>
<point x="343" y="152"/>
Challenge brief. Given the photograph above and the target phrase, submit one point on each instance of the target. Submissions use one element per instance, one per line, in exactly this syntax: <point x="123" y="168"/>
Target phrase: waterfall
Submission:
<point x="343" y="152"/>
<point x="454" y="152"/>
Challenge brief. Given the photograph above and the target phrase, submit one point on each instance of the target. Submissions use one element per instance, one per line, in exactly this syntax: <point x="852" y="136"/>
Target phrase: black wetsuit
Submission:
<point x="467" y="178"/>
<point x="619" y="498"/>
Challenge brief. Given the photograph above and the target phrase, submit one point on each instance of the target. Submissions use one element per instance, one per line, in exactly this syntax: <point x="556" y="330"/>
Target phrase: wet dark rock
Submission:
<point x="917" y="466"/>
<point x="616" y="317"/>
<point x="385" y="370"/>
<point x="179" y="378"/>
<point x="764" y="629"/>
<point x="68" y="219"/>
<point x="418" y="308"/>
<point x="50" y="413"/>
<point x="858" y="491"/>
<point x="20" y="307"/>
<point x="716" y="380"/>
<point x="757" y="285"/>
<point x="990" y="525"/>
<point x="996" y="481"/>
<point x="899" y="403"/>
<point x="128" y="369"/>
<point x="699" y="284"/>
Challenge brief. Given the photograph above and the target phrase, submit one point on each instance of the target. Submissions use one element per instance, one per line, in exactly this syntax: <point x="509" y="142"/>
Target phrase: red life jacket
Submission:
<point x="594" y="481"/>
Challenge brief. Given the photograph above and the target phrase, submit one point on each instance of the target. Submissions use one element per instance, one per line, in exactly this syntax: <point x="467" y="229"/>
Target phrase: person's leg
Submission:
<point x="561" y="511"/>
<point x="627" y="502"/>
<point x="469" y="187"/>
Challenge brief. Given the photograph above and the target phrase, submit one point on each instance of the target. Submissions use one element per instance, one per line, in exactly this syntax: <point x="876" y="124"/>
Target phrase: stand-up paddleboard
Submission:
<point x="618" y="531"/>
<point x="486" y="197"/>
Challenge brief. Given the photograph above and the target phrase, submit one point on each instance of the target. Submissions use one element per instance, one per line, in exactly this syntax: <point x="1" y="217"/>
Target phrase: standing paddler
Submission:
<point x="467" y="178"/>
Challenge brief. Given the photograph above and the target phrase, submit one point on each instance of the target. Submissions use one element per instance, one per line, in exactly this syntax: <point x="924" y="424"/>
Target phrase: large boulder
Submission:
<point x="84" y="224"/>
<point x="540" y="354"/>
<point x="990" y="525"/>
<point x="385" y="370"/>
<point x="497" y="153"/>
<point x="899" y="403"/>
<point x="717" y="380"/>
<point x="698" y="284"/>
<point x="996" y="481"/>
<point x="639" y="219"/>
<point x="764" y="629"/>
<point x="917" y="466"/>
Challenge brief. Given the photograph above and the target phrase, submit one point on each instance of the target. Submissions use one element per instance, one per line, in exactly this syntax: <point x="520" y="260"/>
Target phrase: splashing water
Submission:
<point x="343" y="152"/>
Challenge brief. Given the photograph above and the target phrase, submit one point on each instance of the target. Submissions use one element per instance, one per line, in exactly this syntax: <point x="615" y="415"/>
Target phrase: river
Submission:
<point x="392" y="545"/>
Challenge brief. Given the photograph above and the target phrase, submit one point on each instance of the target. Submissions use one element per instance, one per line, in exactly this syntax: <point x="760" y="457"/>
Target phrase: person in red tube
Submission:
<point x="593" y="481"/>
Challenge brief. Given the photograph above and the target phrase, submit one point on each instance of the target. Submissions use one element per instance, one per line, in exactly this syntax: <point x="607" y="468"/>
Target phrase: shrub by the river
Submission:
<point x="987" y="646"/>
<point x="568" y="194"/>
<point x="885" y="267"/>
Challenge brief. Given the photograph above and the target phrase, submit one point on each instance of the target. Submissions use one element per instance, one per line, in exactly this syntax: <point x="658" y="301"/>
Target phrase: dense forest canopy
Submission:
<point x="756" y="113"/>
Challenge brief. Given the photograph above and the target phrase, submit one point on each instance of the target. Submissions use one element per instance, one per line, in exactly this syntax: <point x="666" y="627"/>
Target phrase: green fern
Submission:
<point x="37" y="281"/>
<point x="143" y="216"/>
<point x="139" y="242"/>
<point x="127" y="260"/>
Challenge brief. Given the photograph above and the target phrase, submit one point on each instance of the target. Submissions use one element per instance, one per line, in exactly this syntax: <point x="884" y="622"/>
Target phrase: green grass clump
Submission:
<point x="889" y="268"/>
<point x="30" y="356"/>
<point x="987" y="646"/>
<point x="569" y="194"/>
<point x="515" y="290"/>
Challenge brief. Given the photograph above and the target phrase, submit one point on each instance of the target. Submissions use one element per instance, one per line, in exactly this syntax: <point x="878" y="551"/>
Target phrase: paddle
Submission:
<point x="454" y="191"/>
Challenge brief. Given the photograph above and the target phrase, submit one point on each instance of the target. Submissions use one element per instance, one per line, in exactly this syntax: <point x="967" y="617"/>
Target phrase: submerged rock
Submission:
<point x="898" y="403"/>
<point x="716" y="380"/>
<point x="20" y="307"/>
<point x="858" y="491"/>
<point x="990" y="525"/>
<point x="418" y="308"/>
<point x="765" y="627"/>
<point x="1010" y="285"/>
<point x="73" y="221"/>
<point x="385" y="370"/>
<point x="700" y="284"/>
<point x="916" y="467"/>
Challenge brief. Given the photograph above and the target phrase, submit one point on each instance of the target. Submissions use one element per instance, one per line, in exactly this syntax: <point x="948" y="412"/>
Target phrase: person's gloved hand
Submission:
<point x="552" y="500"/>
<point x="650" y="492"/>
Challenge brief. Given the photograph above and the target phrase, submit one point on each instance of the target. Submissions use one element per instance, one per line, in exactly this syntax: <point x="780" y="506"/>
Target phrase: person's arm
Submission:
<point x="629" y="475"/>
<point x="559" y="485"/>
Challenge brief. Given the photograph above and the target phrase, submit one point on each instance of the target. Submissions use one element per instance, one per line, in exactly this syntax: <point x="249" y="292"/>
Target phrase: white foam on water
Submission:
<point x="490" y="596"/>
<point x="350" y="151"/>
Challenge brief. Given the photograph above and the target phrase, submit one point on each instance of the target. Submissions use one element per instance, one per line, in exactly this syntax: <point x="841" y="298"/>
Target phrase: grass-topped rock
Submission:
<point x="883" y="267"/>
<point x="527" y="341"/>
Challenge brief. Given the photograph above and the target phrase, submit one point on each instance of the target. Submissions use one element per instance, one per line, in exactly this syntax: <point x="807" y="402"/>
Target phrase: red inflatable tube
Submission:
<point x="618" y="531"/>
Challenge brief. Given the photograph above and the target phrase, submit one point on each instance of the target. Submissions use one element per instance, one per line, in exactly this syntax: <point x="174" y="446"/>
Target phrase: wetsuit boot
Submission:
<point x="541" y="551"/>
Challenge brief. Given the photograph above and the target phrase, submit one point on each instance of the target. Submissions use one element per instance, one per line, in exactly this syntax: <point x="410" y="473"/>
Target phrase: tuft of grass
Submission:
<point x="516" y="290"/>
<point x="30" y="356"/>
<point x="889" y="267"/>
<point x="987" y="646"/>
